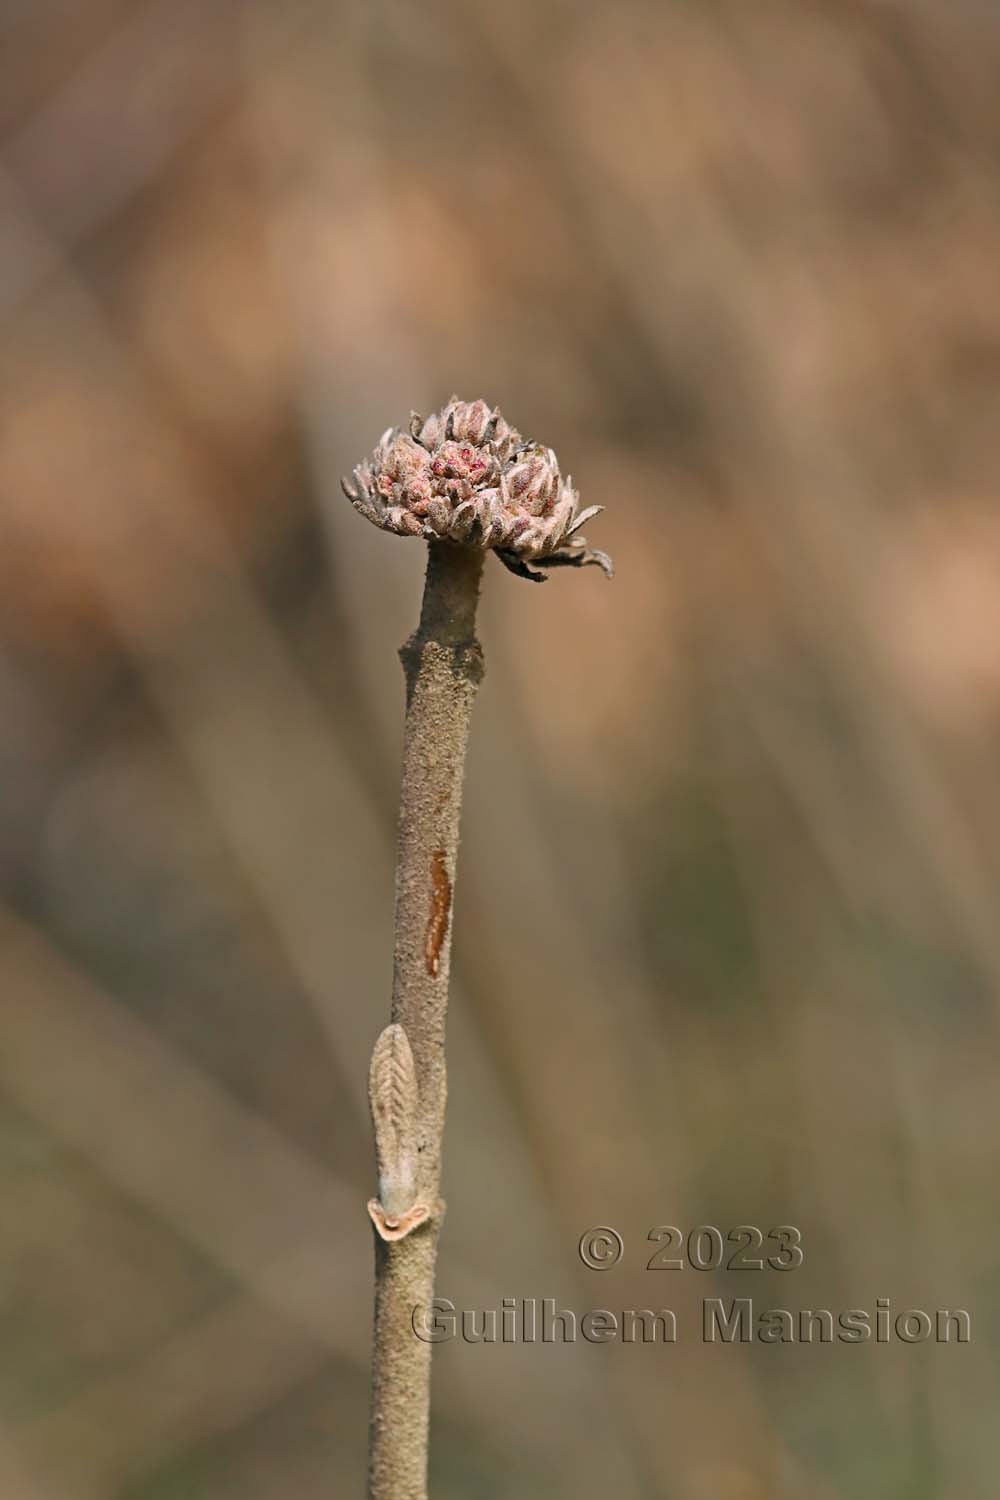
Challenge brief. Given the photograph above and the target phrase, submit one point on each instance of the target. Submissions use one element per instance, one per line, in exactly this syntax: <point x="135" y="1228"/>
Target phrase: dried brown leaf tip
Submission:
<point x="465" y="475"/>
<point x="392" y="1092"/>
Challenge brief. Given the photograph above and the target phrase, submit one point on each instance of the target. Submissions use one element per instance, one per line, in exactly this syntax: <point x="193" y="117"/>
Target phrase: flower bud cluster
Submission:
<point x="464" y="475"/>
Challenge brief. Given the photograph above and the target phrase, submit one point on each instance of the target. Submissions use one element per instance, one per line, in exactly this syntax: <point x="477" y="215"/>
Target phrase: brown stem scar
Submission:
<point x="437" y="922"/>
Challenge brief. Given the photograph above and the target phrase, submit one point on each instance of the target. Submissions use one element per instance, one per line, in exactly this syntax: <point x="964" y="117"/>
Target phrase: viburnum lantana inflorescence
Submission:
<point x="464" y="475"/>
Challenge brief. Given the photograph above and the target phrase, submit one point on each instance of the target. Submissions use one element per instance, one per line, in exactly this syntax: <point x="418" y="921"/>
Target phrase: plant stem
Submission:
<point x="443" y="664"/>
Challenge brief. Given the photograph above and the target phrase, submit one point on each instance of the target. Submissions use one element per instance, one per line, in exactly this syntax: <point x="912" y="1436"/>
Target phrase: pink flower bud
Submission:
<point x="464" y="476"/>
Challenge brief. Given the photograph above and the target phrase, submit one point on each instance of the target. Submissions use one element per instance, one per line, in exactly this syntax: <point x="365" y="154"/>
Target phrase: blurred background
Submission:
<point x="727" y="937"/>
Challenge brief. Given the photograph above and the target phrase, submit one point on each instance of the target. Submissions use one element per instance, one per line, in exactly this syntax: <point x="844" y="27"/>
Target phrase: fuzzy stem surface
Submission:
<point x="443" y="666"/>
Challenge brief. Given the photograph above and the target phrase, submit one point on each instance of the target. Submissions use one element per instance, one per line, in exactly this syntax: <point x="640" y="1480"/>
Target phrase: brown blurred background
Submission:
<point x="727" y="941"/>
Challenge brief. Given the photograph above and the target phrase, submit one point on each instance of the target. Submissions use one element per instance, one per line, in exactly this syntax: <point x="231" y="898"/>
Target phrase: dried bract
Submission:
<point x="392" y="1092"/>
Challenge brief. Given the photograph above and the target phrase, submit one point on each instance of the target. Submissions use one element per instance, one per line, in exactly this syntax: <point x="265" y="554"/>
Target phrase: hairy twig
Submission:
<point x="443" y="665"/>
<point x="466" y="482"/>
